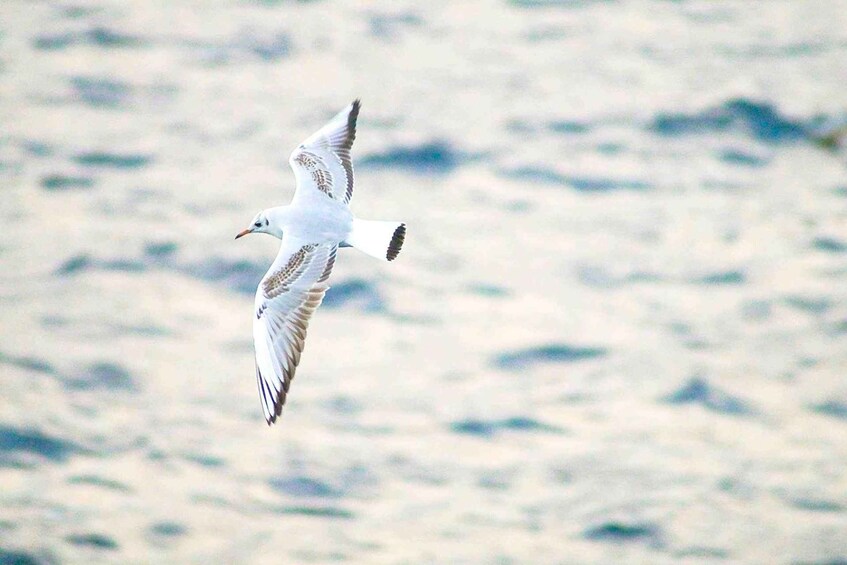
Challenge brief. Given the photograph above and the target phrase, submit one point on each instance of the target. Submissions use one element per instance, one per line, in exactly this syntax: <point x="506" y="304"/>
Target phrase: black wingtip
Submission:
<point x="396" y="242"/>
<point x="354" y="113"/>
<point x="348" y="141"/>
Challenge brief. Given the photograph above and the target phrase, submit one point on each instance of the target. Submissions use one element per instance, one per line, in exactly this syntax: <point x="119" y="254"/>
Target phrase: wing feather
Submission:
<point x="288" y="295"/>
<point x="322" y="164"/>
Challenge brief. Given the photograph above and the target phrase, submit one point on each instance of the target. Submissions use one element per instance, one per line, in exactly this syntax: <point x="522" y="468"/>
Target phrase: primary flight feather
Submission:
<point x="312" y="228"/>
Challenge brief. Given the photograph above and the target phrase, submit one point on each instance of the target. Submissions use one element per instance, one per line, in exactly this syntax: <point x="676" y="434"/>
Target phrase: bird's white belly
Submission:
<point x="331" y="222"/>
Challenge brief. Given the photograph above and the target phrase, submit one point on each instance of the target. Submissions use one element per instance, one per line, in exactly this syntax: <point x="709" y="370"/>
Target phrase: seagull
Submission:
<point x="311" y="229"/>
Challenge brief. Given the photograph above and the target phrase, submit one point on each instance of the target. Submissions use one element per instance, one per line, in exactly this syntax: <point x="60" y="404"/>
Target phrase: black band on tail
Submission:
<point x="396" y="242"/>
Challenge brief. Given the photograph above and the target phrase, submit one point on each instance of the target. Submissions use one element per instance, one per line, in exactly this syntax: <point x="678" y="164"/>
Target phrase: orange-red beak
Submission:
<point x="243" y="233"/>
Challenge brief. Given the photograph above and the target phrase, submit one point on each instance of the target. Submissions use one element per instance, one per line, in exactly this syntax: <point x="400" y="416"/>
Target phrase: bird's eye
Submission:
<point x="258" y="224"/>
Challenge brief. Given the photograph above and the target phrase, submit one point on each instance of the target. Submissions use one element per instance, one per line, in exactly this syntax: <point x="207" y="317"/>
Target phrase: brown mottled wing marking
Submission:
<point x="323" y="181"/>
<point x="306" y="159"/>
<point x="288" y="295"/>
<point x="323" y="162"/>
<point x="280" y="281"/>
<point x="314" y="165"/>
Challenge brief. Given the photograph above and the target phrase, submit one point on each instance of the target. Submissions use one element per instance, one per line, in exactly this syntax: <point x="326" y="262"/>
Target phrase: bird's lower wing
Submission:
<point x="288" y="295"/>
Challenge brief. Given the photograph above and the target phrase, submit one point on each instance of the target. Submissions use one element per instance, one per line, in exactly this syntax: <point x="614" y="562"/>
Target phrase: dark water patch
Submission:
<point x="714" y="184"/>
<point x="96" y="541"/>
<point x="101" y="92"/>
<point x="610" y="148"/>
<point x="168" y="529"/>
<point x="546" y="33"/>
<point x="829" y="245"/>
<point x="816" y="505"/>
<point x="524" y="424"/>
<point x="81" y="263"/>
<point x="54" y="41"/>
<point x="540" y="175"/>
<point x="17" y="440"/>
<point x="699" y="391"/>
<point x="304" y="486"/>
<point x="271" y="48"/>
<point x="360" y="293"/>
<point x="18" y="557"/>
<point x="619" y="532"/>
<point x="241" y="276"/>
<point x="435" y="157"/>
<point x="835" y="561"/>
<point x="266" y="46"/>
<point x="680" y="329"/>
<point x="389" y="26"/>
<point x="756" y="310"/>
<point x="103" y="376"/>
<point x="807" y="362"/>
<point x="102" y="482"/>
<point x="74" y="265"/>
<point x="209" y="461"/>
<point x="519" y="126"/>
<point x="567" y="127"/>
<point x="493" y="482"/>
<point x="211" y="500"/>
<point x="56" y="182"/>
<point x="344" y="404"/>
<point x="599" y="277"/>
<point x="700" y="551"/>
<point x="76" y="12"/>
<point x="551" y="353"/>
<point x="105" y="37"/>
<point x="122" y="265"/>
<point x="599" y="184"/>
<point x="834" y="408"/>
<point x="643" y="277"/>
<point x="29" y="363"/>
<point x="829" y="132"/>
<point x="478" y="428"/>
<point x="141" y="330"/>
<point x="742" y="158"/>
<point x="317" y="511"/>
<point x="488" y="290"/>
<point x="160" y="250"/>
<point x="488" y="428"/>
<point x="723" y="278"/>
<point x="98" y="37"/>
<point x="37" y="148"/>
<point x="810" y="305"/>
<point x="838" y="328"/>
<point x="760" y="120"/>
<point x="113" y="160"/>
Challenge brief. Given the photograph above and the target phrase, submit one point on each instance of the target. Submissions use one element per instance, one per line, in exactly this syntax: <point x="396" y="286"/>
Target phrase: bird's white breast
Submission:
<point x="327" y="221"/>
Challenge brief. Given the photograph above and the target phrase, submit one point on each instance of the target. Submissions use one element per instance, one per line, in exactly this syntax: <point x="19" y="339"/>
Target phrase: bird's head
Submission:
<point x="260" y="224"/>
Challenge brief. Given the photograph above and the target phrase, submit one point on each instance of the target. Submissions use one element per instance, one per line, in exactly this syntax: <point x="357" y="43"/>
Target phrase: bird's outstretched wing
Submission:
<point x="288" y="295"/>
<point x="322" y="163"/>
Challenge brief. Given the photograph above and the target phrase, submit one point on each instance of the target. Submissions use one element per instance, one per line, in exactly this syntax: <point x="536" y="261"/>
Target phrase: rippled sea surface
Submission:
<point x="617" y="332"/>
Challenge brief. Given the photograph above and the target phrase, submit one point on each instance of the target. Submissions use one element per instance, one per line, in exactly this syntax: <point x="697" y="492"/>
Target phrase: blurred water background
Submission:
<point x="617" y="332"/>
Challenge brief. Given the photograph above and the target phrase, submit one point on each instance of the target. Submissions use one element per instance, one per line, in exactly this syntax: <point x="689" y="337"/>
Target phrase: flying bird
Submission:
<point x="312" y="228"/>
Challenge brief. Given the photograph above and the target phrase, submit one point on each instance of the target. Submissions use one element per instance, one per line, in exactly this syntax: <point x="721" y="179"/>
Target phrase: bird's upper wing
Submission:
<point x="322" y="163"/>
<point x="289" y="293"/>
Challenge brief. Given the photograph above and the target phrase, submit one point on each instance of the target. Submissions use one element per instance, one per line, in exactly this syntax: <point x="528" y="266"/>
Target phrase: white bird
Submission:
<point x="316" y="223"/>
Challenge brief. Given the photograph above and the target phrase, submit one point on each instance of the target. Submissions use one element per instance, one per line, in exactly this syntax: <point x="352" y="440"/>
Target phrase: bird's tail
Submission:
<point x="382" y="240"/>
